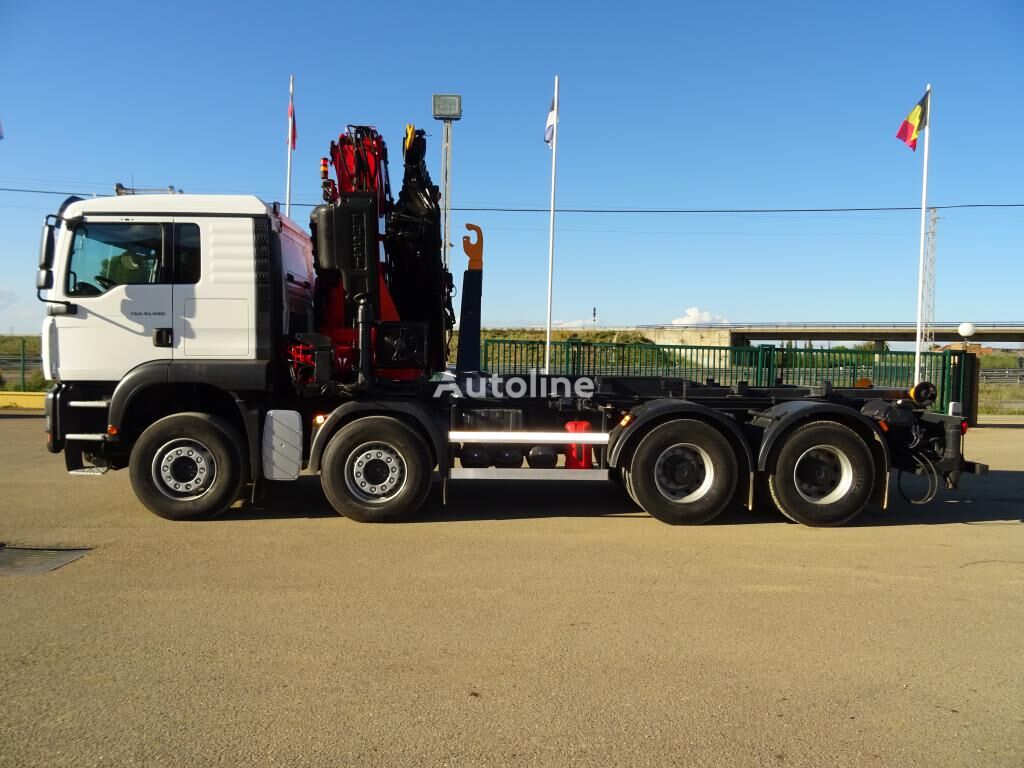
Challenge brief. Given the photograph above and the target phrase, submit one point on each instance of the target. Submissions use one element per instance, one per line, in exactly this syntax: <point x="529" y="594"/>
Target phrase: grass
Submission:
<point x="1001" y="359"/>
<point x="1001" y="399"/>
<point x="10" y="380"/>
<point x="34" y="382"/>
<point x="11" y="345"/>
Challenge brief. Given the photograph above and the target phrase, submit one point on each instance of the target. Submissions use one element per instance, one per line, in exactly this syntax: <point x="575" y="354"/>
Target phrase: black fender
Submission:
<point x="781" y="419"/>
<point x="228" y="376"/>
<point x="413" y="414"/>
<point x="131" y="384"/>
<point x="623" y="440"/>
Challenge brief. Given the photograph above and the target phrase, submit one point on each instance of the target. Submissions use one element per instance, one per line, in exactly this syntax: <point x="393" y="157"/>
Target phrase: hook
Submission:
<point x="474" y="250"/>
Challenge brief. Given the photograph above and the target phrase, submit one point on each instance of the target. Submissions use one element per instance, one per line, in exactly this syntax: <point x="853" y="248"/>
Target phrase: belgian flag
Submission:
<point x="914" y="122"/>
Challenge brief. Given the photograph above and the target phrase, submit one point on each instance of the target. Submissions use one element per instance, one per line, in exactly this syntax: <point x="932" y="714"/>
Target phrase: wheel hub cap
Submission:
<point x="684" y="473"/>
<point x="375" y="472"/>
<point x="823" y="474"/>
<point x="184" y="469"/>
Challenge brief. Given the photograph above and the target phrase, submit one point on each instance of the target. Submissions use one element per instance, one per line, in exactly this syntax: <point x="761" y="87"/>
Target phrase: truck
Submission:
<point x="209" y="345"/>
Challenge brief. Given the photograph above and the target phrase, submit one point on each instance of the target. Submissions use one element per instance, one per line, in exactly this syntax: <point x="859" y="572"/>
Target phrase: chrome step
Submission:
<point x="527" y="473"/>
<point x="98" y="436"/>
<point x="528" y="438"/>
<point x="89" y="403"/>
<point x="95" y="471"/>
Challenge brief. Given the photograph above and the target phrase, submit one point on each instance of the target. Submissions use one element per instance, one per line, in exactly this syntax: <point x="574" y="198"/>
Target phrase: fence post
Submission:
<point x="945" y="396"/>
<point x="769" y="354"/>
<point x="23" y="365"/>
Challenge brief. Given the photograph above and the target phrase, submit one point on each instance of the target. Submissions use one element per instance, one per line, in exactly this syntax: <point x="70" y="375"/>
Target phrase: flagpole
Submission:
<point x="920" y="267"/>
<point x="551" y="233"/>
<point x="291" y="118"/>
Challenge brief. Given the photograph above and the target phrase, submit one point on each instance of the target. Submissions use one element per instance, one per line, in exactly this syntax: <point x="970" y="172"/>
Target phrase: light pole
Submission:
<point x="966" y="330"/>
<point x="447" y="108"/>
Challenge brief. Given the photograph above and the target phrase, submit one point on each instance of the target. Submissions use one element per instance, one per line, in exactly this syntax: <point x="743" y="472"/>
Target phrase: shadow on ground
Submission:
<point x="996" y="497"/>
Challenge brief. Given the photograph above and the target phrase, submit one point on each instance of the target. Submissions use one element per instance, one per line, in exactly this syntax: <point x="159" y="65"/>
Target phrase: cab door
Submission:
<point x="214" y="289"/>
<point x="117" y="274"/>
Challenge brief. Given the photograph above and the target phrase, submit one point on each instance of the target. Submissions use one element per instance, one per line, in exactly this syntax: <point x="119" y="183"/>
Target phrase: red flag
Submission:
<point x="292" y="130"/>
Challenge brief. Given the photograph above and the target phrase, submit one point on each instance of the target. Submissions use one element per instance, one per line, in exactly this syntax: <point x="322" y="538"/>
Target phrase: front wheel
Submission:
<point x="823" y="475"/>
<point x="684" y="472"/>
<point x="376" y="470"/>
<point x="187" y="466"/>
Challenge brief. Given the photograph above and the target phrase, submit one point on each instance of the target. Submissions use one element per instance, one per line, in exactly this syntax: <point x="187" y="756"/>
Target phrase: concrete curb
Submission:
<point x="32" y="400"/>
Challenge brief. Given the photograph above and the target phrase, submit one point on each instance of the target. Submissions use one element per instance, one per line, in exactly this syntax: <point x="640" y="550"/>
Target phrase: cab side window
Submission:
<point x="186" y="253"/>
<point x="107" y="255"/>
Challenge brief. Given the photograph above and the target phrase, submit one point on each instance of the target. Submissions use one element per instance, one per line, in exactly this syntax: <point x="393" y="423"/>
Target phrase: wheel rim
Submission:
<point x="375" y="472"/>
<point x="184" y="469"/>
<point x="823" y="474"/>
<point x="684" y="473"/>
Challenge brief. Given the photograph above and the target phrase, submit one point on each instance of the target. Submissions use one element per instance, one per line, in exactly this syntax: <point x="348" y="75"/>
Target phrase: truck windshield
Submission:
<point x="107" y="255"/>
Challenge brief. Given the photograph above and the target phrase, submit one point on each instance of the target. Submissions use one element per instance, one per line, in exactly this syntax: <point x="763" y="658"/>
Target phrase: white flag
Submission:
<point x="549" y="127"/>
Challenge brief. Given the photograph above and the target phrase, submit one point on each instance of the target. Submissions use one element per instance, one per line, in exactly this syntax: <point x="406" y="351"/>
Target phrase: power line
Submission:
<point x="617" y="211"/>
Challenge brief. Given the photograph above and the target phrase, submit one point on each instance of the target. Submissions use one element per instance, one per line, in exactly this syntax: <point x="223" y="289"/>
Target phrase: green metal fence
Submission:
<point x="19" y="370"/>
<point x="759" y="366"/>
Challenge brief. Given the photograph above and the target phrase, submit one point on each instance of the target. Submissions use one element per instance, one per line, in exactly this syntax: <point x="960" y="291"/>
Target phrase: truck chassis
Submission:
<point x="276" y="352"/>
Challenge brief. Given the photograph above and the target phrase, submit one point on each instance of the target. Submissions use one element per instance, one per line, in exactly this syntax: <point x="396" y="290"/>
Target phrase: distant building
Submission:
<point x="974" y="349"/>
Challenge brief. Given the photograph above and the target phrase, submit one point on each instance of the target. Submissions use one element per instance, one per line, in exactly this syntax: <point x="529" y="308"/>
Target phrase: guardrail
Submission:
<point x="763" y="365"/>
<point x="1002" y="375"/>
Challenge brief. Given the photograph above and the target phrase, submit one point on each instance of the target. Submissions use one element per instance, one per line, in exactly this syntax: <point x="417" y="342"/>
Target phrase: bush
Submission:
<point x="35" y="381"/>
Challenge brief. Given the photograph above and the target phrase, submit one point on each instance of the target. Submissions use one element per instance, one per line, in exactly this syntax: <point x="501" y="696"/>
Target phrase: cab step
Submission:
<point x="95" y="471"/>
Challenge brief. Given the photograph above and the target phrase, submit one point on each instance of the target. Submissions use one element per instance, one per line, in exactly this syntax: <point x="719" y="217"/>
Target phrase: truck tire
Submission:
<point x="376" y="470"/>
<point x="188" y="466"/>
<point x="683" y="472"/>
<point x="823" y="475"/>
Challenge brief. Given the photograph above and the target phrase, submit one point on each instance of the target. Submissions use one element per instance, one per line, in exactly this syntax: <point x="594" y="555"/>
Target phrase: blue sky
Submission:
<point x="702" y="105"/>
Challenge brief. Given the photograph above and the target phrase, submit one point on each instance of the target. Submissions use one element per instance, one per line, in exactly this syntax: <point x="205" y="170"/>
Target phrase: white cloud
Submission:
<point x="698" y="316"/>
<point x="572" y="324"/>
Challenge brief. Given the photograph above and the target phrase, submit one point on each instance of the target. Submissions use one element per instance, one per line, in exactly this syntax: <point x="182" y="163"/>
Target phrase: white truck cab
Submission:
<point x="137" y="279"/>
<point x="164" y="317"/>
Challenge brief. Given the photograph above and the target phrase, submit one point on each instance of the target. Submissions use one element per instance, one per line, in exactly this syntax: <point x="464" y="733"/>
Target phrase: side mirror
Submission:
<point x="46" y="245"/>
<point x="44" y="280"/>
<point x="54" y="309"/>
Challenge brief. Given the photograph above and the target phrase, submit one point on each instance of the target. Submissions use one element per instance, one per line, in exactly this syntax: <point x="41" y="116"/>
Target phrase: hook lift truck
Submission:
<point x="208" y="344"/>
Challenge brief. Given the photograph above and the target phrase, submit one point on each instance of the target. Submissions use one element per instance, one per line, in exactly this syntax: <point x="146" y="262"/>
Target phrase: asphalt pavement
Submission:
<point x="524" y="624"/>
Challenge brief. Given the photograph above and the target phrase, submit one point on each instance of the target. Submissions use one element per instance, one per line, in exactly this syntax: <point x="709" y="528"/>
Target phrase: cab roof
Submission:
<point x="242" y="205"/>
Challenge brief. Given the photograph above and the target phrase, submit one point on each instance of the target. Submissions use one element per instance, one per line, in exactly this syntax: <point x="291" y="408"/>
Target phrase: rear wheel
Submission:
<point x="683" y="472"/>
<point x="376" y="470"/>
<point x="627" y="484"/>
<point x="823" y="475"/>
<point x="188" y="466"/>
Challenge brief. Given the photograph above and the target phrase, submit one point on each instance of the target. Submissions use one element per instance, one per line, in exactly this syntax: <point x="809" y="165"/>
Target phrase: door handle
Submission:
<point x="163" y="337"/>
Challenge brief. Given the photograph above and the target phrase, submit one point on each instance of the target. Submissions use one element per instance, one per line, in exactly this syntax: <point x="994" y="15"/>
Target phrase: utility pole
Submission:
<point x="928" y="330"/>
